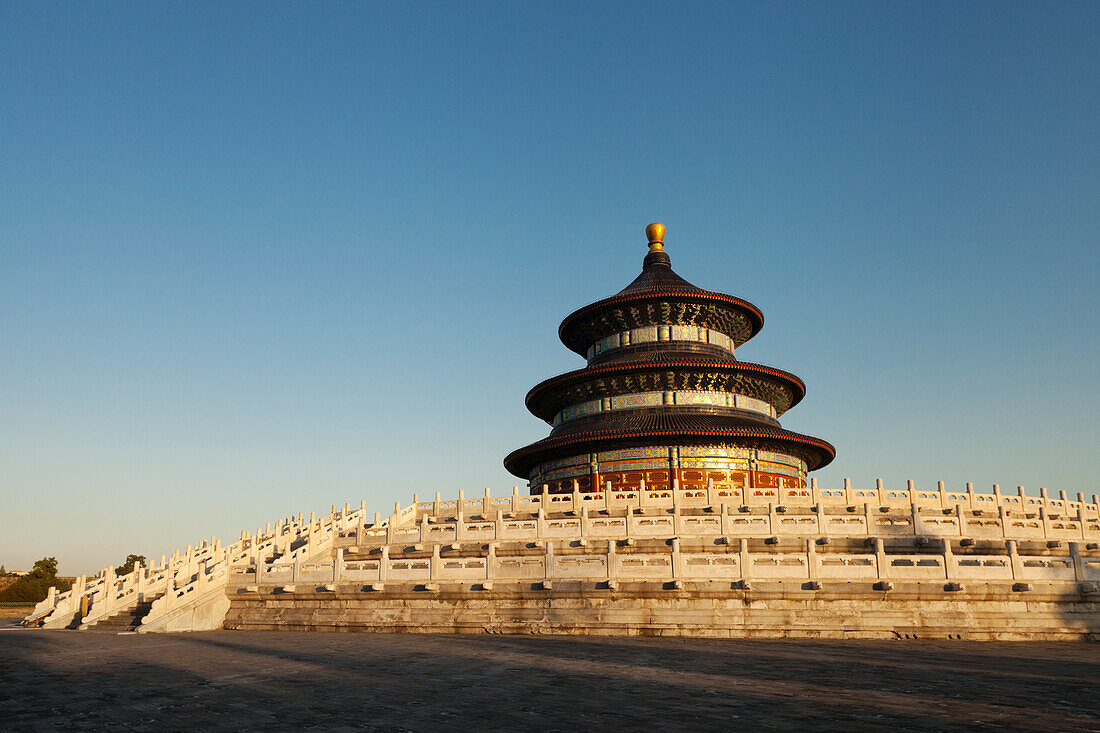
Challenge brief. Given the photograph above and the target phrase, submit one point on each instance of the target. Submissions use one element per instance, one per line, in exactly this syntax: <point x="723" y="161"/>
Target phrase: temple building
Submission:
<point x="663" y="400"/>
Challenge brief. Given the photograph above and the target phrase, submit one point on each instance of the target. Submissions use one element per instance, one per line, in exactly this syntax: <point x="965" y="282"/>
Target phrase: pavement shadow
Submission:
<point x="568" y="681"/>
<point x="287" y="680"/>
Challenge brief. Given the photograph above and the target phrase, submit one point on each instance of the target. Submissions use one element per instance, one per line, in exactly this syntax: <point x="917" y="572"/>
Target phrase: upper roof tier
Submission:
<point x="659" y="296"/>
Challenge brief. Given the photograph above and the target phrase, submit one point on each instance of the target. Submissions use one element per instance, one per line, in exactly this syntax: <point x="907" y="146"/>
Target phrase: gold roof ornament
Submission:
<point x="655" y="232"/>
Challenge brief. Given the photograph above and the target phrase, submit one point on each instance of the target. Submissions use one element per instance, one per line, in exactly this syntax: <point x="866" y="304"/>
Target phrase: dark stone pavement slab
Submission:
<point x="334" y="682"/>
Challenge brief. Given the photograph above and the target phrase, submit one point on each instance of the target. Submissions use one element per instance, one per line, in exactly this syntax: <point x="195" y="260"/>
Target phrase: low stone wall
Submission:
<point x="570" y="565"/>
<point x="807" y="561"/>
<point x="777" y="608"/>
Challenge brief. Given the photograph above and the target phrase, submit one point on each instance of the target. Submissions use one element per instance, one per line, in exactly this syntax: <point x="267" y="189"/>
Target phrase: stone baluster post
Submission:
<point x="813" y="563"/>
<point x="1044" y="517"/>
<point x="848" y="498"/>
<point x="1014" y="560"/>
<point x="1078" y="563"/>
<point x="170" y="589"/>
<point x="435" y="564"/>
<point x="612" y="561"/>
<point x="139" y="577"/>
<point x="745" y="559"/>
<point x="960" y="515"/>
<point x="949" y="568"/>
<point x="881" y="560"/>
<point x="487" y="504"/>
<point x="549" y="559"/>
<point x="677" y="559"/>
<point x="109" y="601"/>
<point x="491" y="560"/>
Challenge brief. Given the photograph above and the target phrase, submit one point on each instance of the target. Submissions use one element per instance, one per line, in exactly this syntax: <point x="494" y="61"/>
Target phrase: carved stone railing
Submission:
<point x="727" y="559"/>
<point x="296" y="551"/>
<point x="186" y="575"/>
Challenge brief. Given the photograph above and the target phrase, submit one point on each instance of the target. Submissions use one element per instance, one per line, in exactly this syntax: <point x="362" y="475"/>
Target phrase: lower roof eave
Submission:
<point x="818" y="453"/>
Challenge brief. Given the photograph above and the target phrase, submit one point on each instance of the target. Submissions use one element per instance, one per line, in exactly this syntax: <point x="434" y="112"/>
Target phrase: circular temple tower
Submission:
<point x="663" y="399"/>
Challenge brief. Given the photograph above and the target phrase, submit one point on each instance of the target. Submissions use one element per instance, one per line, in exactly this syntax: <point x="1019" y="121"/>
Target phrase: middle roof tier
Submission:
<point x="672" y="371"/>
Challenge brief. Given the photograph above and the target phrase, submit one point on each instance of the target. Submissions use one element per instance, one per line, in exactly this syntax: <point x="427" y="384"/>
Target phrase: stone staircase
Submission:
<point x="126" y="619"/>
<point x="187" y="590"/>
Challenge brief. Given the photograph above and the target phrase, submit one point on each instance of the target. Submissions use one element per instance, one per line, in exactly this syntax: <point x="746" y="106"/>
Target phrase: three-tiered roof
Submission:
<point x="663" y="398"/>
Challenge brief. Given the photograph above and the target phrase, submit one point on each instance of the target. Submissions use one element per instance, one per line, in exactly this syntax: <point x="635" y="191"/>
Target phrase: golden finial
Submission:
<point x="656" y="234"/>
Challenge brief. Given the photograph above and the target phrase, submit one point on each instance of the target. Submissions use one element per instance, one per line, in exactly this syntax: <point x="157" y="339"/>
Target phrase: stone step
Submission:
<point x="126" y="619"/>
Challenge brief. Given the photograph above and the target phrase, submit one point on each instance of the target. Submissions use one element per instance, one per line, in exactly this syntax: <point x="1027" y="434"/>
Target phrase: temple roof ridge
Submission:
<point x="637" y="303"/>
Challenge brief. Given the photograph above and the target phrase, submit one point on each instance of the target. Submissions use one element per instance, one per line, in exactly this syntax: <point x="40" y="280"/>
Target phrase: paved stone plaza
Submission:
<point x="324" y="681"/>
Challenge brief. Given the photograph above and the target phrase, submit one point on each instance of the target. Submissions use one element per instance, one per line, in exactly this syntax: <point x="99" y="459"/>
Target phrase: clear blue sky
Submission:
<point x="262" y="258"/>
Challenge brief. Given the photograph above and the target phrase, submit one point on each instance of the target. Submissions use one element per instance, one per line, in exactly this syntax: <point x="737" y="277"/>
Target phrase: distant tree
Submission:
<point x="128" y="567"/>
<point x="45" y="568"/>
<point x="3" y="571"/>
<point x="34" y="586"/>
